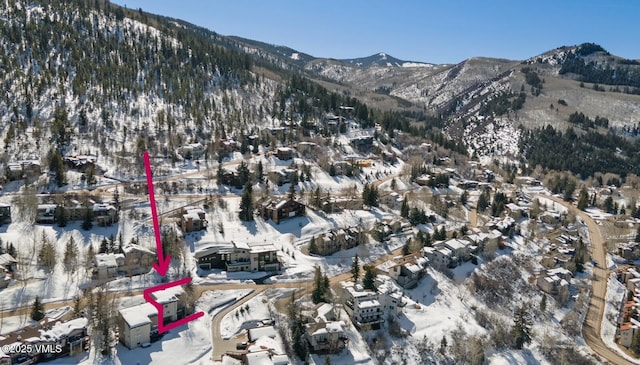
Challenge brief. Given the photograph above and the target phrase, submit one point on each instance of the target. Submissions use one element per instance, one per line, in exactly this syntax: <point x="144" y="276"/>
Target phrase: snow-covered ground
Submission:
<point x="616" y="294"/>
<point x="188" y="344"/>
<point x="251" y="315"/>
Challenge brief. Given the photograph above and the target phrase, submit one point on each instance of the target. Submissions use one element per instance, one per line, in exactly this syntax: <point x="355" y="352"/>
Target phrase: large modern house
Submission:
<point x="238" y="256"/>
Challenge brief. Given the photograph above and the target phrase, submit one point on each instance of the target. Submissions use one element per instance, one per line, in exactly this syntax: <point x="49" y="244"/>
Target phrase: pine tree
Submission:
<point x="483" y="201"/>
<point x="368" y="282"/>
<point x="37" y="310"/>
<point x="70" y="254"/>
<point x="404" y="208"/>
<point x="583" y="199"/>
<point x="246" y="203"/>
<point x="464" y="198"/>
<point x="116" y="199"/>
<point x="61" y="216"/>
<point x="11" y="250"/>
<point x="317" y="295"/>
<point x="355" y="269"/>
<point x="104" y="245"/>
<point x="543" y="303"/>
<point x="87" y="223"/>
<point x="90" y="256"/>
<point x="521" y="330"/>
<point x="443" y="345"/>
<point x="327" y="360"/>
<point x="112" y="244"/>
<point x="370" y="195"/>
<point x="406" y="249"/>
<point x="47" y="254"/>
<point x="260" y="172"/>
<point x="313" y="248"/>
<point x="77" y="307"/>
<point x="56" y="166"/>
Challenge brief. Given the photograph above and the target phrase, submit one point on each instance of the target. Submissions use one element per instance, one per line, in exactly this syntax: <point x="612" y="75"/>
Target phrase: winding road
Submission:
<point x="595" y="313"/>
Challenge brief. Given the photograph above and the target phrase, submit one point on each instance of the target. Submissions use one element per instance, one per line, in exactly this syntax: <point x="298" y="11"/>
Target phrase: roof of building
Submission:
<point x="559" y="271"/>
<point x="256" y="333"/>
<point x="455" y="244"/>
<point x="280" y="360"/>
<point x="258" y="358"/>
<point x="61" y="329"/>
<point x="369" y="304"/>
<point x="139" y="315"/>
<point x="168" y="295"/>
<point x="100" y="207"/>
<point x="6" y="259"/>
<point x="107" y="259"/>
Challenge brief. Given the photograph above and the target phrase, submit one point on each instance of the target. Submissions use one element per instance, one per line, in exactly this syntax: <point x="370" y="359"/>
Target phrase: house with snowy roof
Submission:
<point x="284" y="209"/>
<point x="104" y="214"/>
<point x="193" y="219"/>
<point x="239" y="256"/>
<point x="408" y="270"/>
<point x="55" y="339"/>
<point x="554" y="282"/>
<point x="139" y="324"/>
<point x="363" y="306"/>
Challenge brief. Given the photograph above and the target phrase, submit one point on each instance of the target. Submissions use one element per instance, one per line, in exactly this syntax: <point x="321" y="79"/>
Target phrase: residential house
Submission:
<point x="45" y="213"/>
<point x="332" y="204"/>
<point x="363" y="307"/>
<point x="388" y="156"/>
<point x="554" y="281"/>
<point x="288" y="208"/>
<point x="325" y="337"/>
<point x="68" y="338"/>
<point x="363" y="143"/>
<point x="628" y="331"/>
<point x="137" y="260"/>
<point x="192" y="151"/>
<point x="285" y="153"/>
<point x="193" y="219"/>
<point x="104" y="214"/>
<point x="80" y="163"/>
<point x="336" y="240"/>
<point x="238" y="256"/>
<point x="23" y="170"/>
<point x="283" y="176"/>
<point x="139" y="324"/>
<point x="440" y="256"/>
<point x="229" y="178"/>
<point x="390" y="299"/>
<point x="629" y="251"/>
<point x="8" y="262"/>
<point x="460" y="248"/>
<point x="408" y="270"/>
<point x="105" y="265"/>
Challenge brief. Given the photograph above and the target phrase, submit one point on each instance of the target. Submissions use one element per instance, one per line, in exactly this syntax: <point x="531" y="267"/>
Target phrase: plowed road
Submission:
<point x="595" y="313"/>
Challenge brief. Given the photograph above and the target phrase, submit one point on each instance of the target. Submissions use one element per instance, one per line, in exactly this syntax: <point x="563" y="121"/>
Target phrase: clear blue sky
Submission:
<point x="441" y="31"/>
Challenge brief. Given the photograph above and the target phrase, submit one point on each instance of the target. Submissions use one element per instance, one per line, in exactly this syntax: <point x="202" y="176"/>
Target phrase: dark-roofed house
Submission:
<point x="239" y="256"/>
<point x="284" y="153"/>
<point x="285" y="209"/>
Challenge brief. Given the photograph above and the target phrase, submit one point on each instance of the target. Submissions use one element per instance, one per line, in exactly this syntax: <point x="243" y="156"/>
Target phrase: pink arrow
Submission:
<point x="160" y="308"/>
<point x="163" y="262"/>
